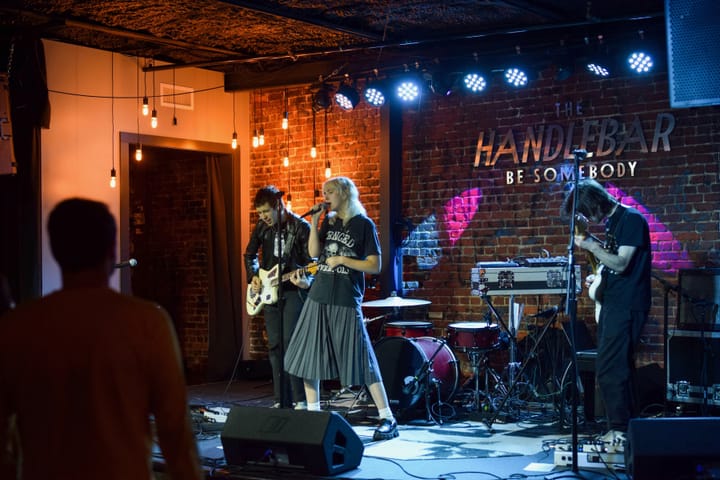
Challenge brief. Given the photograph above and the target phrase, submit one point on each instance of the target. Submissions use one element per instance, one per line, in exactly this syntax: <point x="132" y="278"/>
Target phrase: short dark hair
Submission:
<point x="81" y="233"/>
<point x="593" y="200"/>
<point x="269" y="194"/>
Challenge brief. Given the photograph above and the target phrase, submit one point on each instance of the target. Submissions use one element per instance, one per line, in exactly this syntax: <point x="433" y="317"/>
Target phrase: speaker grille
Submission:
<point x="693" y="30"/>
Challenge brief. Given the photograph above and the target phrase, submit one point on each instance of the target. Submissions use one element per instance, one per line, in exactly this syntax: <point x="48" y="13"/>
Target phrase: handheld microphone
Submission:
<point x="316" y="209"/>
<point x="131" y="262"/>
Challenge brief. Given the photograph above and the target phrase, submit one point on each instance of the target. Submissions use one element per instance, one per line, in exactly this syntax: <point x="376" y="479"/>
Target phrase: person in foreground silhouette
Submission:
<point x="330" y="340"/>
<point x="91" y="374"/>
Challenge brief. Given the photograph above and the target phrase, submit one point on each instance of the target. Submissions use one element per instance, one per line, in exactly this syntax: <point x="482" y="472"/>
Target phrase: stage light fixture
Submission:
<point x="597" y="69"/>
<point x="640" y="62"/>
<point x="322" y="99"/>
<point x="374" y="96"/>
<point x="407" y="89"/>
<point x="347" y="97"/>
<point x="474" y="82"/>
<point x="516" y="77"/>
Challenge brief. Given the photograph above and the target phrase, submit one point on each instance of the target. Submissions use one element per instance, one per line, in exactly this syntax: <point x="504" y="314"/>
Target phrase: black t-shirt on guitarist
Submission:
<point x="631" y="289"/>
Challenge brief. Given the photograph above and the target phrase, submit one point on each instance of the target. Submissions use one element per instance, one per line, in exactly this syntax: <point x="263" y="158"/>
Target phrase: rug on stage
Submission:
<point x="463" y="440"/>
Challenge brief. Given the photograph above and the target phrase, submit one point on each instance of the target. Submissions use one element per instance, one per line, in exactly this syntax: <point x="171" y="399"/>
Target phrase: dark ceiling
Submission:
<point x="267" y="43"/>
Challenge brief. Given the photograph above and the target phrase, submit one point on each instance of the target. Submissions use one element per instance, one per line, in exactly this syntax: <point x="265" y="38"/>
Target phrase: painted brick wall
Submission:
<point x="459" y="214"/>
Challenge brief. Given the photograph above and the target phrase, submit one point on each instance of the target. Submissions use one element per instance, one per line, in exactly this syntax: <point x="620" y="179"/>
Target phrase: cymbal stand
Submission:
<point x="531" y="354"/>
<point x="513" y="363"/>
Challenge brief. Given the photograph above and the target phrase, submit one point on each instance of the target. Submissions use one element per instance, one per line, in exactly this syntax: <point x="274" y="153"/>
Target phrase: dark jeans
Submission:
<point x="292" y="389"/>
<point x="618" y="335"/>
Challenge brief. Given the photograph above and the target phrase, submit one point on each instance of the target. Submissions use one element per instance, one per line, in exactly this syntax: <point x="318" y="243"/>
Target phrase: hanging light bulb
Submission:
<point x="328" y="171"/>
<point x="145" y="107"/>
<point x="153" y="119"/>
<point x="233" y="144"/>
<point x="261" y="137"/>
<point x="313" y="151"/>
<point x="255" y="139"/>
<point x="113" y="178"/>
<point x="285" y="121"/>
<point x="138" y="153"/>
<point x="288" y="205"/>
<point x="286" y="161"/>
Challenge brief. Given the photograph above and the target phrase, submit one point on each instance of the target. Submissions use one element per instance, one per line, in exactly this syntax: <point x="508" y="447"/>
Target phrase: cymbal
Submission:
<point x="395" y="301"/>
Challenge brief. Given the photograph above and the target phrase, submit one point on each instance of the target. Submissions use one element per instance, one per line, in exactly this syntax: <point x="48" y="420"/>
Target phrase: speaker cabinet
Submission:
<point x="673" y="448"/>
<point x="693" y="27"/>
<point x="322" y="443"/>
<point x="693" y="369"/>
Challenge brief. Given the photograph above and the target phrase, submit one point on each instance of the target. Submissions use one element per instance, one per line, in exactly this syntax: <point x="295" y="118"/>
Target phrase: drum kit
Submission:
<point x="416" y="365"/>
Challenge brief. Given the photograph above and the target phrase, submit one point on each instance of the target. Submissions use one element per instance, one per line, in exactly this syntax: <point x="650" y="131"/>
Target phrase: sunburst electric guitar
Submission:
<point x="595" y="291"/>
<point x="268" y="293"/>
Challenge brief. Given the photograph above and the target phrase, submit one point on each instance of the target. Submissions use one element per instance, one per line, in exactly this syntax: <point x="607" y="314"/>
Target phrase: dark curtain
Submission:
<point x="225" y="323"/>
<point x="20" y="217"/>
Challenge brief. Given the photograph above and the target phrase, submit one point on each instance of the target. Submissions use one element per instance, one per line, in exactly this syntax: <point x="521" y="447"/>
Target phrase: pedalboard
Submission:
<point x="591" y="460"/>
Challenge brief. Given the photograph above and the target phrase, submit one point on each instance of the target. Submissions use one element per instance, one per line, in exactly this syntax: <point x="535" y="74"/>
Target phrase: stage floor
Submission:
<point x="454" y="440"/>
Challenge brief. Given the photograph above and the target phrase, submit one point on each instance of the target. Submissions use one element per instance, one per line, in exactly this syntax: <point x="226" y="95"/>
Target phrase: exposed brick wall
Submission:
<point x="352" y="148"/>
<point x="462" y="214"/>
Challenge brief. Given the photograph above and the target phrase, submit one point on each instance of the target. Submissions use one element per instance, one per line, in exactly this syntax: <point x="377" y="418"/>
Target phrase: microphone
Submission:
<point x="316" y="209"/>
<point x="409" y="385"/>
<point x="131" y="262"/>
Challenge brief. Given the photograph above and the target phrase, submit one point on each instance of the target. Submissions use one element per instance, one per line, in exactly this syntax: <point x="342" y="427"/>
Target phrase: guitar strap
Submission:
<point x="610" y="238"/>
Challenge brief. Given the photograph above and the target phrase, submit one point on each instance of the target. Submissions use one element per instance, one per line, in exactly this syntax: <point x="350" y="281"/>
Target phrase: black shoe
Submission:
<point x="386" y="430"/>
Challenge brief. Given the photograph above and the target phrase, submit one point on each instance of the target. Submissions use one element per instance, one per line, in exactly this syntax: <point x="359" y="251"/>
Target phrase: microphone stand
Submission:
<point x="281" y="297"/>
<point x="571" y="307"/>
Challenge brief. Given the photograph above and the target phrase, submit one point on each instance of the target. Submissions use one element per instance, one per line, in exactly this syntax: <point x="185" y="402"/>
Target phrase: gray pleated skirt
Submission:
<point x="331" y="342"/>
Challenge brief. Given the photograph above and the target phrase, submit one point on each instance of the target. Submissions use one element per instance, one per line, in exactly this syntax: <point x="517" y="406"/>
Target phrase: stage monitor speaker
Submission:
<point x="322" y="443"/>
<point x="673" y="448"/>
<point x="692" y="30"/>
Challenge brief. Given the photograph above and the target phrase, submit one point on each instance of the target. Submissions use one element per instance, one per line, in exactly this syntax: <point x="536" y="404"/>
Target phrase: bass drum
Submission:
<point x="402" y="359"/>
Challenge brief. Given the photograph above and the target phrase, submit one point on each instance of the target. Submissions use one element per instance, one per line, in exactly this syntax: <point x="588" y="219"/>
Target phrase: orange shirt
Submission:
<point x="85" y="370"/>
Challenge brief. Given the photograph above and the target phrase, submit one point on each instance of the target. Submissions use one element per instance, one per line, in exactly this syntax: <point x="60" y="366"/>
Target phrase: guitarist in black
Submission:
<point x="279" y="228"/>
<point x="626" y="258"/>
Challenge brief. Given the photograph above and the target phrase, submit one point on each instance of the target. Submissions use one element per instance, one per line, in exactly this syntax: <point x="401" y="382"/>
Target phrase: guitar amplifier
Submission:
<point x="510" y="279"/>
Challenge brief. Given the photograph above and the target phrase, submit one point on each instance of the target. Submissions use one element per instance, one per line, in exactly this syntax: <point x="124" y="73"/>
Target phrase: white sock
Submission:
<point x="313" y="407"/>
<point x="386" y="413"/>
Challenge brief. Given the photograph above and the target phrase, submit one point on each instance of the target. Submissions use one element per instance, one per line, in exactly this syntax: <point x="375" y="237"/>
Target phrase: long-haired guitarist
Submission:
<point x="278" y="230"/>
<point x="626" y="258"/>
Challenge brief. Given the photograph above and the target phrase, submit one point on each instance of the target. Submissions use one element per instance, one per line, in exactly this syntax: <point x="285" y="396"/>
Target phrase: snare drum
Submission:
<point x="473" y="336"/>
<point x="408" y="329"/>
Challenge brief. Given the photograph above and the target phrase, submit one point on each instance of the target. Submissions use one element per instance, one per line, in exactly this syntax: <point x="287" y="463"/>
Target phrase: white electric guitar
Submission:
<point x="595" y="290"/>
<point x="268" y="293"/>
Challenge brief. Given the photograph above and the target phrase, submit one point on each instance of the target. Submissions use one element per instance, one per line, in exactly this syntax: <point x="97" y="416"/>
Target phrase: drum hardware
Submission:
<point x="516" y="379"/>
<point x="479" y="359"/>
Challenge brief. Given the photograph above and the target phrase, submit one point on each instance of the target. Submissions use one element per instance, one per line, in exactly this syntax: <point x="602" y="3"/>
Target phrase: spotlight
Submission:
<point x="322" y="99"/>
<point x="474" y="82"/>
<point x="347" y="97"/>
<point x="516" y="77"/>
<point x="374" y="96"/>
<point x="408" y="89"/>
<point x="597" y="69"/>
<point x="640" y="62"/>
